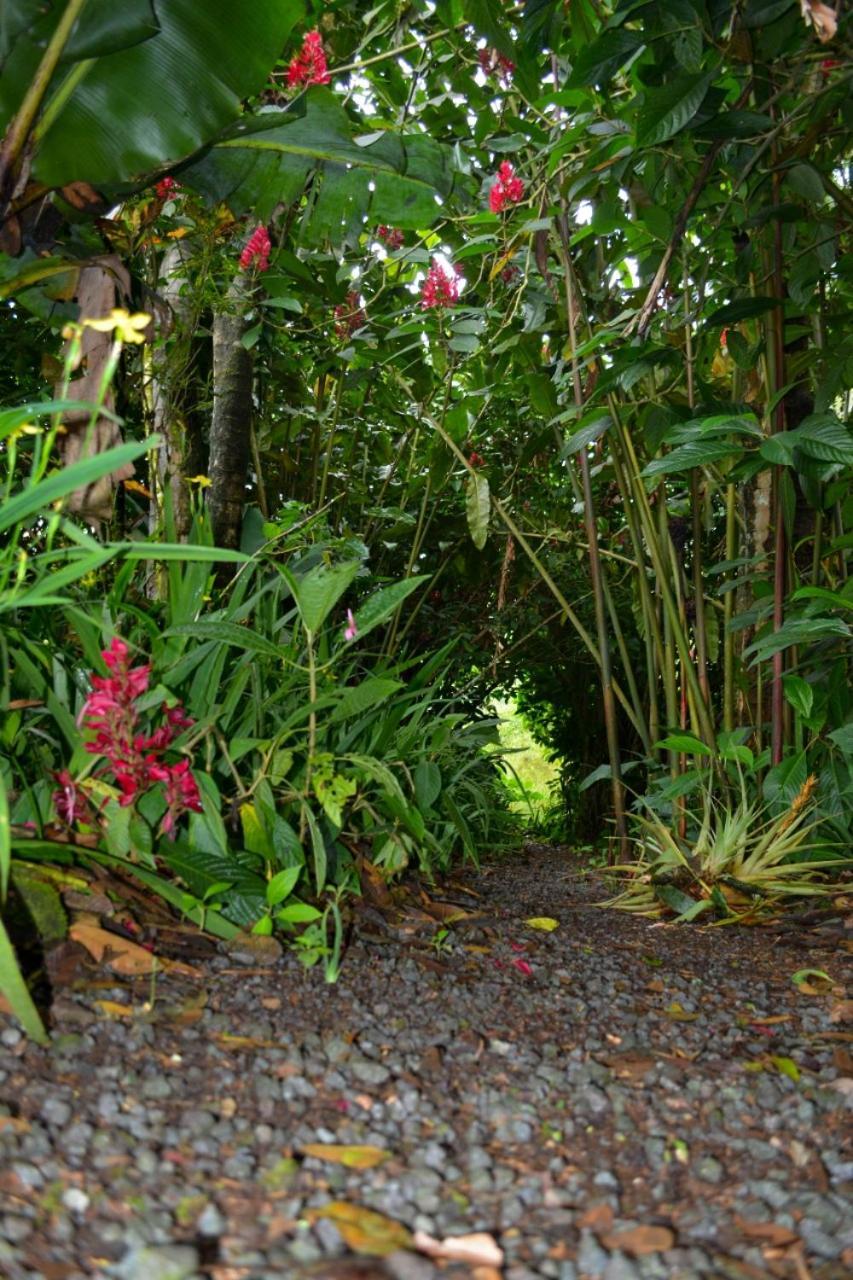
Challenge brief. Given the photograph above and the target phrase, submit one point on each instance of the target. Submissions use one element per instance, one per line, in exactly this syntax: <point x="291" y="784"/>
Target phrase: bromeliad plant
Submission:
<point x="733" y="863"/>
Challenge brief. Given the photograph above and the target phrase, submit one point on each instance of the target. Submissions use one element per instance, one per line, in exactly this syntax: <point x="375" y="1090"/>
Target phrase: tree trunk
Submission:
<point x="230" y="426"/>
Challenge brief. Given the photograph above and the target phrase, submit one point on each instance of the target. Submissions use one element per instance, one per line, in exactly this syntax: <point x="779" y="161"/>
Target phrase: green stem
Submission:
<point x="21" y="124"/>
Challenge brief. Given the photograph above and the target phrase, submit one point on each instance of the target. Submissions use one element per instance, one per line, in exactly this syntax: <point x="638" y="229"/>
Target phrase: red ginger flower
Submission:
<point x="349" y="315"/>
<point x="257" y="250"/>
<point x="508" y="188"/>
<point x="393" y="237"/>
<point x="165" y="188"/>
<point x="133" y="758"/>
<point x="492" y="62"/>
<point x="441" y="287"/>
<point x="309" y="65"/>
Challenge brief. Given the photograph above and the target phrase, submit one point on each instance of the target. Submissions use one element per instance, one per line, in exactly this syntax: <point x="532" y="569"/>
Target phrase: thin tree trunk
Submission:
<point x="230" y="427"/>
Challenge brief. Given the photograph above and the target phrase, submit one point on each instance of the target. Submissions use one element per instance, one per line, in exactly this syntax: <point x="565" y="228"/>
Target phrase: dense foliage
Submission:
<point x="519" y="331"/>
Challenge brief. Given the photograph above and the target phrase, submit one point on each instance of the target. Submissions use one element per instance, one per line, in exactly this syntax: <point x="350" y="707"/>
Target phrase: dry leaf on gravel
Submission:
<point x="598" y="1217"/>
<point x="478" y="1249"/>
<point x="768" y="1232"/>
<point x="364" y="1230"/>
<point x="841" y="1011"/>
<point x="641" y="1240"/>
<point x="353" y="1157"/>
<point x="121" y="955"/>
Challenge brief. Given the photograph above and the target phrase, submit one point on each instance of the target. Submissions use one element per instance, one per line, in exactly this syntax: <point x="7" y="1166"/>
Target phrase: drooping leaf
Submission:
<point x="668" y="110"/>
<point x="477" y="508"/>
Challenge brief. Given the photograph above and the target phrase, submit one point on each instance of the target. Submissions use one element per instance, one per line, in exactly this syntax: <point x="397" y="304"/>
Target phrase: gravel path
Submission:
<point x="611" y="1099"/>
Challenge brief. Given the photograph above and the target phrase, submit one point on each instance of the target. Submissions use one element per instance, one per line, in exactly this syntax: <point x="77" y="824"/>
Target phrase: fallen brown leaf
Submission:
<point x="639" y="1240"/>
<point x="598" y="1217"/>
<point x="771" y="1232"/>
<point x="121" y="955"/>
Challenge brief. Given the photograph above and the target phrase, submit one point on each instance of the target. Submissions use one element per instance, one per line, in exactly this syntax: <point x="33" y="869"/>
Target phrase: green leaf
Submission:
<point x="799" y="693"/>
<point x="282" y="885"/>
<point x="807" y="182"/>
<point x="796" y="631"/>
<point x="229" y="633"/>
<point x="5" y="841"/>
<point x="191" y="77"/>
<point x="298" y="913"/>
<point x="586" y="433"/>
<point x="668" y="110"/>
<point x="744" y="309"/>
<point x="361" y="697"/>
<point x="477" y="508"/>
<point x="598" y="62"/>
<point x="684" y="742"/>
<point x="427" y="783"/>
<point x="14" y="988"/>
<point x="318" y="847"/>
<point x="79" y="475"/>
<point x="317" y="592"/>
<point x="695" y="453"/>
<point x="379" y="607"/>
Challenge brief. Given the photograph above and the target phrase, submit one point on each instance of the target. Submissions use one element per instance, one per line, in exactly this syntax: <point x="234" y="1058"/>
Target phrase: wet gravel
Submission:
<point x="611" y="1100"/>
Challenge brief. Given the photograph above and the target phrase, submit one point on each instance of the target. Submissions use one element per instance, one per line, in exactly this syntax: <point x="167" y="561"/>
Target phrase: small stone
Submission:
<point x="55" y="1112"/>
<point x="210" y="1222"/>
<point x="370" y="1072"/>
<point x="163" y="1262"/>
<point x="408" y="1266"/>
<point x="709" y="1169"/>
<point x="75" y="1200"/>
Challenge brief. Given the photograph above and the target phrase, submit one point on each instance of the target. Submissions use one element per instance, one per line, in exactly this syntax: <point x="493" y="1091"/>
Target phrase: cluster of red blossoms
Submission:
<point x="494" y="63"/>
<point x="391" y="237"/>
<point x="349" y="315"/>
<point x="165" y="188"/>
<point x="309" y="65"/>
<point x="135" y="759"/>
<point x="507" y="189"/>
<point x="257" y="251"/>
<point x="441" y="287"/>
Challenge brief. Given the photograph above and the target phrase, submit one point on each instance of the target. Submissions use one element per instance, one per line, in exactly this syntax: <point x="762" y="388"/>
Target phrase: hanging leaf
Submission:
<point x="667" y="111"/>
<point x="478" y="508"/>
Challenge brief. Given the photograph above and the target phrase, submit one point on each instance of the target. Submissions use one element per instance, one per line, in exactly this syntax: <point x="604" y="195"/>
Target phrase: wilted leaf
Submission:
<point x="801" y="981"/>
<point x="112" y="1009"/>
<point x="770" y="1232"/>
<point x="640" y="1240"/>
<point x="353" y="1157"/>
<point x="545" y="923"/>
<point x="122" y="955"/>
<point x="479" y="1249"/>
<point x="364" y="1230"/>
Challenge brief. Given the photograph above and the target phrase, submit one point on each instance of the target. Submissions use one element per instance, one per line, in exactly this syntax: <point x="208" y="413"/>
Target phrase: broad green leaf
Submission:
<point x="598" y="62"/>
<point x="229" y="633"/>
<point x="298" y="913"/>
<point x="282" y="885"/>
<point x="684" y="742"/>
<point x="318" y="847"/>
<point x="317" y="592"/>
<point x="586" y="434"/>
<point x="361" y="697"/>
<point x="191" y="77"/>
<point x="427" y="783"/>
<point x="477" y="508"/>
<point x="696" y="453"/>
<point x="799" y="693"/>
<point x="796" y="631"/>
<point x="79" y="475"/>
<point x="667" y="111"/>
<point x="379" y="607"/>
<point x="14" y="988"/>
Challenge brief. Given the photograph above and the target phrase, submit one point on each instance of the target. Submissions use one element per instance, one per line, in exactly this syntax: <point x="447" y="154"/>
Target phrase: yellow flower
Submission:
<point x="203" y="482"/>
<point x="129" y="328"/>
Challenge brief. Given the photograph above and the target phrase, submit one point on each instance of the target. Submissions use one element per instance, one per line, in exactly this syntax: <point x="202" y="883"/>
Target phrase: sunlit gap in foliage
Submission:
<point x="532" y="774"/>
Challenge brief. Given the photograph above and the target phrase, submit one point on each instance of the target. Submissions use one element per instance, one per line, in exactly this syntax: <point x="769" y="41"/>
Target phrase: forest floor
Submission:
<point x="612" y="1099"/>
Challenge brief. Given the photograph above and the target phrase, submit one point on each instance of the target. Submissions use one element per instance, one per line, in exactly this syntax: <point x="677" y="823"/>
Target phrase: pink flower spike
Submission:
<point x="351" y="629"/>
<point x="309" y="65"/>
<point x="441" y="287"/>
<point x="257" y="251"/>
<point x="523" y="967"/>
<point x="508" y="188"/>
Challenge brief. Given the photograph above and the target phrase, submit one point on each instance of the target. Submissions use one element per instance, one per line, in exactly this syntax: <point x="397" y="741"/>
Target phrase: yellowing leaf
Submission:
<point x="679" y="1014"/>
<point x="786" y="1066"/>
<point x="364" y="1230"/>
<point x="352" y="1157"/>
<point x="545" y="923"/>
<point x="112" y="1009"/>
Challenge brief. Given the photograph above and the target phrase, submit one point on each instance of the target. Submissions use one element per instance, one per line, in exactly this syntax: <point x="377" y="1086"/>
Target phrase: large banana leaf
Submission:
<point x="156" y="80"/>
<point x="263" y="162"/>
